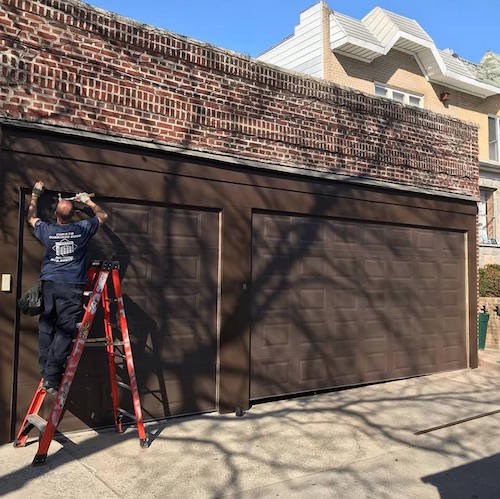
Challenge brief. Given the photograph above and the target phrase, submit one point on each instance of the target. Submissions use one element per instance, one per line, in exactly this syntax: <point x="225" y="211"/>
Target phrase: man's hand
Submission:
<point x="36" y="192"/>
<point x="83" y="197"/>
<point x="38" y="189"/>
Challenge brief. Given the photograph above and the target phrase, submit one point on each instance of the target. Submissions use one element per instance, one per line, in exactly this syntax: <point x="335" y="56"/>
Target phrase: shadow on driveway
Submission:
<point x="479" y="479"/>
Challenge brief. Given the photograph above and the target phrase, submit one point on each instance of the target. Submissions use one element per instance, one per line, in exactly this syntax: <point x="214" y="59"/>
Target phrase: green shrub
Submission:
<point x="489" y="280"/>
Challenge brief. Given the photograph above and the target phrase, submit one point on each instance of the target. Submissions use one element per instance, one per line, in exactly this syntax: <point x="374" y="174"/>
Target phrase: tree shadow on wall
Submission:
<point x="144" y="337"/>
<point x="154" y="332"/>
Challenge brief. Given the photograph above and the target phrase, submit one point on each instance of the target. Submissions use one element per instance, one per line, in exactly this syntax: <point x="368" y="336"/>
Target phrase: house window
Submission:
<point x="486" y="217"/>
<point x="494" y="138"/>
<point x="399" y="95"/>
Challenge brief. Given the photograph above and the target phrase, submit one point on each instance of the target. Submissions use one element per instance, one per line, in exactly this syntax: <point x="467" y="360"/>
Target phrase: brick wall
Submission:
<point x="65" y="63"/>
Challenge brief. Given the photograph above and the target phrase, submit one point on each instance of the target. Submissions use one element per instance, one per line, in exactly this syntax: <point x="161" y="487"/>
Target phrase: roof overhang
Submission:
<point x="489" y="167"/>
<point x="381" y="31"/>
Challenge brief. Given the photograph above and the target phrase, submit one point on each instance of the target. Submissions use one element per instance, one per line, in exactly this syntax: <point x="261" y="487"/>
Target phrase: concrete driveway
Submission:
<point x="352" y="443"/>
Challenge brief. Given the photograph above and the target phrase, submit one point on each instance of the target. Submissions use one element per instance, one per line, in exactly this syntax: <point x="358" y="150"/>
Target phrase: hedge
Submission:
<point x="489" y="280"/>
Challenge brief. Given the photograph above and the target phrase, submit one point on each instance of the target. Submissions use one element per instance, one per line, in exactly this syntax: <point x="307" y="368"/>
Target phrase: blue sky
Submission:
<point x="250" y="26"/>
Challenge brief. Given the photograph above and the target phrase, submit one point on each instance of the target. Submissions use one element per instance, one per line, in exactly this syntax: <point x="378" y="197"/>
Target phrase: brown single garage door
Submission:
<point x="339" y="302"/>
<point x="169" y="267"/>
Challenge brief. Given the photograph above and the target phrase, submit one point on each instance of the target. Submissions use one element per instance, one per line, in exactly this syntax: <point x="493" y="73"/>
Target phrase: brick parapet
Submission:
<point x="67" y="63"/>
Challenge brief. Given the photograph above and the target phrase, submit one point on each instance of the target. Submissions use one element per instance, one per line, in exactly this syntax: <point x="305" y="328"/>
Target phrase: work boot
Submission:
<point x="50" y="386"/>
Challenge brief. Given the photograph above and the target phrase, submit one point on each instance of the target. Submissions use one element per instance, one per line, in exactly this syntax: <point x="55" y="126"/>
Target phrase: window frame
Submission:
<point x="496" y="120"/>
<point x="486" y="221"/>
<point x="406" y="95"/>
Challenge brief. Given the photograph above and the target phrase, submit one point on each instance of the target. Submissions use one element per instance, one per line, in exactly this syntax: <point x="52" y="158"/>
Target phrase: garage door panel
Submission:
<point x="273" y="264"/>
<point x="313" y="266"/>
<point x="345" y="329"/>
<point x="361" y="302"/>
<point x="170" y="285"/>
<point x="169" y="260"/>
<point x="131" y="220"/>
<point x="276" y="335"/>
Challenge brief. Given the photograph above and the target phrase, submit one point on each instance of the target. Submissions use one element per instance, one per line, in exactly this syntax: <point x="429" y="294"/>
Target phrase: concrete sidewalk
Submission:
<point x="352" y="443"/>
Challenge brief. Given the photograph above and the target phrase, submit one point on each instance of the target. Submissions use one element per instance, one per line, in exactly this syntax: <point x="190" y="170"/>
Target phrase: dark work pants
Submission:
<point x="62" y="308"/>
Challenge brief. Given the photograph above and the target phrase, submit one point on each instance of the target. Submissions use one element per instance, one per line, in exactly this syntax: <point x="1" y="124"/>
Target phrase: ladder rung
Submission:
<point x="104" y="344"/>
<point x="87" y="293"/>
<point x="126" y="413"/>
<point x="101" y="342"/>
<point x="37" y="421"/>
<point x="124" y="385"/>
<point x="119" y="354"/>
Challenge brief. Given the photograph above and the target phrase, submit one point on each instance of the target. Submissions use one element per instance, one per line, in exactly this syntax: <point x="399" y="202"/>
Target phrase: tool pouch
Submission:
<point x="31" y="302"/>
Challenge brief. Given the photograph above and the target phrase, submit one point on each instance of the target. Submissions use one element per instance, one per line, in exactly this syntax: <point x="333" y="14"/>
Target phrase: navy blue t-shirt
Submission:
<point x="65" y="249"/>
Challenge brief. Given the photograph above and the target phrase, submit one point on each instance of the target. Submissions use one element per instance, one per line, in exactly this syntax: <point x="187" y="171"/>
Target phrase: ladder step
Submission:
<point x="119" y="354"/>
<point x="103" y="343"/>
<point x="126" y="413"/>
<point x="87" y="293"/>
<point x="124" y="385"/>
<point x="37" y="421"/>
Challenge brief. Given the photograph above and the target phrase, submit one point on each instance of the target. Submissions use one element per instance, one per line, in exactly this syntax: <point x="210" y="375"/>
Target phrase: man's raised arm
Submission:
<point x="84" y="198"/>
<point x="32" y="217"/>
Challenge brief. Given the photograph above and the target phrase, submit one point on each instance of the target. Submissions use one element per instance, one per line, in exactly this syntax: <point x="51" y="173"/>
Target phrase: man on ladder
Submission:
<point x="63" y="272"/>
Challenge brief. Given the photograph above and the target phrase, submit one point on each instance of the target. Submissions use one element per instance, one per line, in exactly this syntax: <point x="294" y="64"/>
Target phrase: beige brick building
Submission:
<point x="393" y="57"/>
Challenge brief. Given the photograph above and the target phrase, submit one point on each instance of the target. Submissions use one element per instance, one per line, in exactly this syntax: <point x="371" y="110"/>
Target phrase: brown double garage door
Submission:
<point x="332" y="303"/>
<point x="339" y="303"/>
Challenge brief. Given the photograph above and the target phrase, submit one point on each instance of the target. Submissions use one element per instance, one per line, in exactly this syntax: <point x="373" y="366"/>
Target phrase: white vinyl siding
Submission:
<point x="494" y="138"/>
<point x="399" y="95"/>
<point x="303" y="51"/>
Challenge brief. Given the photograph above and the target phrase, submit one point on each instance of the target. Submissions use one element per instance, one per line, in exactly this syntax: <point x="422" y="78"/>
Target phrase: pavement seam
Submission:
<point x="93" y="472"/>
<point x="478" y="377"/>
<point x="391" y="450"/>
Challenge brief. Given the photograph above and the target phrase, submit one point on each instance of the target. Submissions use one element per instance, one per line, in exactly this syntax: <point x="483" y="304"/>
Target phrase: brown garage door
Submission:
<point x="169" y="261"/>
<point x="339" y="302"/>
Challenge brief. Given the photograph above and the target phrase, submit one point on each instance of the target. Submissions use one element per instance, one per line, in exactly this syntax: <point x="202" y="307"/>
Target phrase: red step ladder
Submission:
<point x="99" y="274"/>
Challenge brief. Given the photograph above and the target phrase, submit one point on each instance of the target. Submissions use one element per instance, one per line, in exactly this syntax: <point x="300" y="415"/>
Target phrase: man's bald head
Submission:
<point x="64" y="211"/>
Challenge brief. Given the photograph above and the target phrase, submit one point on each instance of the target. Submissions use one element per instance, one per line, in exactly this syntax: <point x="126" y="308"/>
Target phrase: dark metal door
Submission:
<point x="340" y="303"/>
